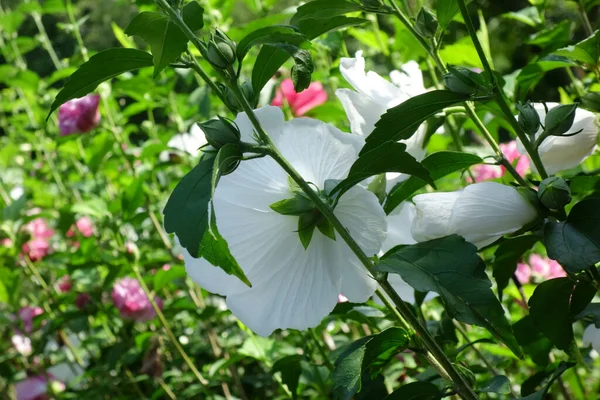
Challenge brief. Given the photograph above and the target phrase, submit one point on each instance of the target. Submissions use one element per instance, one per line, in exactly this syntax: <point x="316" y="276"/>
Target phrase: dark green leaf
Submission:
<point x="532" y="341"/>
<point x="307" y="223"/>
<point x="323" y="9"/>
<point x="552" y="38"/>
<point x="167" y="42"/>
<point x="560" y="119"/>
<point x="416" y="391"/>
<point x="303" y="65"/>
<point x="575" y="243"/>
<point x="451" y="267"/>
<point x="591" y="101"/>
<point x="290" y="372"/>
<point x="314" y="27"/>
<point x="498" y="384"/>
<point x="541" y="394"/>
<point x="532" y="74"/>
<point x="439" y="165"/>
<point x="389" y="157"/>
<point x="446" y="10"/>
<point x="402" y="121"/>
<point x="585" y="52"/>
<point x="99" y="68"/>
<point x="186" y="212"/>
<point x="364" y="359"/>
<point x="272" y="35"/>
<point x="507" y="256"/>
<point x="163" y="278"/>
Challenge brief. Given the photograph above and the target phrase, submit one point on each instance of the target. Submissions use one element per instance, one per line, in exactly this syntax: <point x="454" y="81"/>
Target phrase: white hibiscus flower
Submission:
<point x="374" y="95"/>
<point x="291" y="287"/>
<point x="189" y="142"/>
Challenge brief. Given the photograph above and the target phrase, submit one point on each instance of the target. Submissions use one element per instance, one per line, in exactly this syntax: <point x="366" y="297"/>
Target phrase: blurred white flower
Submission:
<point x="374" y="95"/>
<point x="189" y="142"/>
<point x="22" y="344"/>
<point x="559" y="153"/>
<point x="591" y="336"/>
<point x="481" y="213"/>
<point x="292" y="287"/>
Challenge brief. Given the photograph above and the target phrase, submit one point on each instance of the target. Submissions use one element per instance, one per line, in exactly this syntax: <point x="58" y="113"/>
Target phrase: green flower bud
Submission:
<point x="554" y="193"/>
<point x="219" y="132"/>
<point x="560" y="119"/>
<point x="249" y="94"/>
<point x="528" y="118"/>
<point x="221" y="50"/>
<point x="463" y="80"/>
<point x="427" y="24"/>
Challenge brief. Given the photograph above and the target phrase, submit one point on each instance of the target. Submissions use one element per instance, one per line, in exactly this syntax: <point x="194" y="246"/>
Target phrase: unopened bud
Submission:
<point x="427" y="24"/>
<point x="463" y="80"/>
<point x="221" y="50"/>
<point x="554" y="193"/>
<point x="528" y="118"/>
<point x="219" y="132"/>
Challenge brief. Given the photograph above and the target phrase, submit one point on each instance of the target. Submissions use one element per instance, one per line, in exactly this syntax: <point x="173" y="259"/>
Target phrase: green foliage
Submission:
<point x="507" y="256"/>
<point x="416" y="391"/>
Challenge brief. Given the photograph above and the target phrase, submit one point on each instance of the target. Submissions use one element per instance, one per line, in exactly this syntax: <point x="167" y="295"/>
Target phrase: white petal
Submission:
<point x="485" y="211"/>
<point x="189" y="142"/>
<point x="362" y="112"/>
<point x="410" y="79"/>
<point x="358" y="285"/>
<point x="414" y="144"/>
<point x="209" y="277"/>
<point x="433" y="215"/>
<point x="370" y="84"/>
<point x="270" y="117"/>
<point x="399" y="223"/>
<point x="591" y="335"/>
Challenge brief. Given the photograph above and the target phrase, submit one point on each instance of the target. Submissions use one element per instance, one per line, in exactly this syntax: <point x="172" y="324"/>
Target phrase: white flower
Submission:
<point x="189" y="142"/>
<point x="399" y="224"/>
<point x="481" y="213"/>
<point x="291" y="287"/>
<point x="22" y="344"/>
<point x="374" y="95"/>
<point x="591" y="336"/>
<point x="559" y="153"/>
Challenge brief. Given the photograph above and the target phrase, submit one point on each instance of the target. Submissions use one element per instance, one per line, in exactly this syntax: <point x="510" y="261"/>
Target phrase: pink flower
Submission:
<point x="512" y="153"/>
<point x="79" y="115"/>
<point x="132" y="302"/>
<point x="342" y="298"/>
<point x="64" y="284"/>
<point x="27" y="314"/>
<point x="84" y="226"/>
<point x="166" y="267"/>
<point x="523" y="273"/>
<point x="6" y="242"/>
<point x="484" y="172"/>
<point x="38" y="228"/>
<point x="82" y="300"/>
<point x="302" y="102"/>
<point x="36" y="248"/>
<point x="546" y="268"/>
<point x="36" y="387"/>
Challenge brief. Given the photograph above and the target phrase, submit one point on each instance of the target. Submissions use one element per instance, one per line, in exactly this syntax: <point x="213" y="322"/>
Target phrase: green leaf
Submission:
<point x="186" y="212"/>
<point x="163" y="278"/>
<point x="297" y="205"/>
<point x="390" y="157"/>
<point x="13" y="210"/>
<point x="315" y="27"/>
<point x="552" y="308"/>
<point x="416" y="391"/>
<point x="364" y="359"/>
<point x="226" y="161"/>
<point x="591" y="101"/>
<point x="402" y="121"/>
<point x="552" y="38"/>
<point x="586" y="52"/>
<point x="4" y="298"/>
<point x="498" y="384"/>
<point x="290" y="372"/>
<point x="11" y="280"/>
<point x="560" y="119"/>
<point x="575" y="243"/>
<point x="533" y="342"/>
<point x="446" y="10"/>
<point x="99" y="68"/>
<point x="167" y="42"/>
<point x="323" y="9"/>
<point x="439" y="165"/>
<point x="132" y="198"/>
<point x="303" y="65"/>
<point x="272" y="35"/>
<point x="307" y="223"/>
<point x="451" y="267"/>
<point x="533" y="73"/>
<point x="541" y="394"/>
<point x="507" y="256"/>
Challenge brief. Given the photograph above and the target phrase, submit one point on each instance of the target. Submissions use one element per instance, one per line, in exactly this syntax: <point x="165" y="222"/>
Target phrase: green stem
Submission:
<point x="589" y="30"/>
<point x="499" y="95"/>
<point x="167" y="327"/>
<point x="76" y="30"/>
<point x="321" y="349"/>
<point x="195" y="65"/>
<point x="46" y="42"/>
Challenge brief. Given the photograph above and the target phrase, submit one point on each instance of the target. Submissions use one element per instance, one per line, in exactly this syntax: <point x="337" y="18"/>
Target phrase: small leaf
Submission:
<point x="451" y="267"/>
<point x="324" y="9"/>
<point x="186" y="212"/>
<point x="560" y="119"/>
<point x="541" y="394"/>
<point x="290" y="372"/>
<point x="439" y="165"/>
<point x="295" y="206"/>
<point x="307" y="223"/>
<point x="575" y="243"/>
<point x="283" y="34"/>
<point x="446" y="10"/>
<point x="303" y="65"/>
<point x="390" y="157"/>
<point x="99" y="68"/>
<point x="416" y="391"/>
<point x="402" y="121"/>
<point x="591" y="101"/>
<point x="498" y="384"/>
<point x="507" y="256"/>
<point x="586" y="52"/>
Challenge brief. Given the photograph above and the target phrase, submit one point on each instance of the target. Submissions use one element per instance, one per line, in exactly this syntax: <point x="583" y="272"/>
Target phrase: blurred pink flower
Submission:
<point x="38" y="228"/>
<point x="484" y="172"/>
<point x="79" y="115"/>
<point x="36" y="387"/>
<point x="27" y="314"/>
<point x="130" y="247"/>
<point x="166" y="267"/>
<point x="6" y="242"/>
<point x="302" y="102"/>
<point x="64" y="284"/>
<point x="546" y="268"/>
<point x="132" y="302"/>
<point x="82" y="300"/>
<point x="512" y="153"/>
<point x="84" y="226"/>
<point x="36" y="249"/>
<point x="22" y="344"/>
<point x="342" y="298"/>
<point x="523" y="273"/>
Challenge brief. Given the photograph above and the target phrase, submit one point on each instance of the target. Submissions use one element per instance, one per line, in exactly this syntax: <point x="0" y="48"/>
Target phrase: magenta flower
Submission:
<point x="36" y="248"/>
<point x="38" y="228"/>
<point x="132" y="302"/>
<point x="82" y="300"/>
<point x="511" y="152"/>
<point x="27" y="314"/>
<point x="64" y="284"/>
<point x="79" y="115"/>
<point x="36" y="387"/>
<point x="302" y="102"/>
